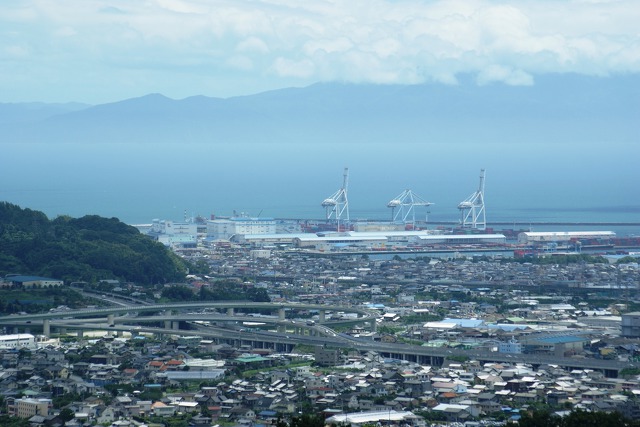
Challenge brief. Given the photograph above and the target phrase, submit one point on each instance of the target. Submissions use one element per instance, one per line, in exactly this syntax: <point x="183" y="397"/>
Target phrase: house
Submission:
<point x="162" y="410"/>
<point x="453" y="412"/>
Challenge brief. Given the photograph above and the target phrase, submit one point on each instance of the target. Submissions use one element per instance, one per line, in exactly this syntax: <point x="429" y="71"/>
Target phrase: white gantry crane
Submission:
<point x="337" y="205"/>
<point x="472" y="212"/>
<point x="403" y="207"/>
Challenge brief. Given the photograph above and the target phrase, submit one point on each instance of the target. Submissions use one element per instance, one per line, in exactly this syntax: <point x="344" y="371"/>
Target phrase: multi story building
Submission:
<point x="512" y="346"/>
<point x="27" y="408"/>
<point x="224" y="229"/>
<point x="631" y="325"/>
<point x="176" y="234"/>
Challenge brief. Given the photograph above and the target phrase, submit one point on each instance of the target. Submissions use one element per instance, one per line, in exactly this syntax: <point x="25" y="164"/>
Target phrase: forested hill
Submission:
<point x="88" y="249"/>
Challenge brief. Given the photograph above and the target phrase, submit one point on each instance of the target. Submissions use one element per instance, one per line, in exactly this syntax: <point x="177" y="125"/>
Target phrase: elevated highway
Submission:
<point x="289" y="332"/>
<point x="229" y="306"/>
<point x="171" y="313"/>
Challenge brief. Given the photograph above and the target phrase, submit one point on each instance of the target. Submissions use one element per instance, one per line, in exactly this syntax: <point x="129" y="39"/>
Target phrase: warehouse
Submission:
<point x="32" y="281"/>
<point x="332" y="242"/>
<point x="529" y="237"/>
<point x="467" y="239"/>
<point x="17" y="341"/>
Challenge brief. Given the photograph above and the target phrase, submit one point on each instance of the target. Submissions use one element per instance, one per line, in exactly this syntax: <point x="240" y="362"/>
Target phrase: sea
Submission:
<point x="526" y="187"/>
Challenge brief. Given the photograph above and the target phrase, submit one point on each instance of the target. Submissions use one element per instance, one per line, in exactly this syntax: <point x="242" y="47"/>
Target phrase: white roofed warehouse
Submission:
<point x="531" y="237"/>
<point x="390" y="417"/>
<point x="33" y="281"/>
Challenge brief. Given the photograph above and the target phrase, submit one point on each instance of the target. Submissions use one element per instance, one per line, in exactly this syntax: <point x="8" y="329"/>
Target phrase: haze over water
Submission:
<point x="139" y="182"/>
<point x="216" y="107"/>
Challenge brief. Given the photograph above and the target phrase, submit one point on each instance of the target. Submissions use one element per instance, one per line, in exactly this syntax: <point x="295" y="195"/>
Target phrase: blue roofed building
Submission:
<point x="32" y="281"/>
<point x="466" y="323"/>
<point x="556" y="345"/>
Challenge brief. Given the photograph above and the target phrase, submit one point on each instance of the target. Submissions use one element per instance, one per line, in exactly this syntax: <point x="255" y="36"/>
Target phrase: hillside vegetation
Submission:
<point x="88" y="249"/>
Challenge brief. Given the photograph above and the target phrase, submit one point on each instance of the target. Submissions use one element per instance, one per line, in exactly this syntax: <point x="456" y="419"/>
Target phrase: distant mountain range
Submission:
<point x="558" y="108"/>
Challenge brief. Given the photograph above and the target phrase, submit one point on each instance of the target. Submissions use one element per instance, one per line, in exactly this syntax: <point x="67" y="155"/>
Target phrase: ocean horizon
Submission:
<point x="141" y="182"/>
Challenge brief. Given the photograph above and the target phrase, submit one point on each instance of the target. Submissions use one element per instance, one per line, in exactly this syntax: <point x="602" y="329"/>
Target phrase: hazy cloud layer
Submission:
<point x="99" y="50"/>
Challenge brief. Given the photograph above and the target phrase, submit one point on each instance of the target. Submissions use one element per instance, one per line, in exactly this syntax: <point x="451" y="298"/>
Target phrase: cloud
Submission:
<point x="288" y="42"/>
<point x="497" y="73"/>
<point x="252" y="45"/>
<point x="240" y="62"/>
<point x="289" y="68"/>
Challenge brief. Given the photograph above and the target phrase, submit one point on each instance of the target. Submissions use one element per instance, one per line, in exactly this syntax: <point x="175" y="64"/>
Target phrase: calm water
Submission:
<point x="139" y="182"/>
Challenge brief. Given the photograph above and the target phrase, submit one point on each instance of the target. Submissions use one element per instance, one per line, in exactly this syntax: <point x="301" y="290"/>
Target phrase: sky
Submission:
<point x="98" y="51"/>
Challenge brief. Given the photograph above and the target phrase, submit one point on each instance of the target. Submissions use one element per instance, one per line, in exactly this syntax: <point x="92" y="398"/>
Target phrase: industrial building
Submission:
<point x="268" y="239"/>
<point x="390" y="239"/>
<point x="32" y="281"/>
<point x="531" y="237"/>
<point x="407" y="418"/>
<point x="369" y="240"/>
<point x="17" y="341"/>
<point x="331" y="242"/>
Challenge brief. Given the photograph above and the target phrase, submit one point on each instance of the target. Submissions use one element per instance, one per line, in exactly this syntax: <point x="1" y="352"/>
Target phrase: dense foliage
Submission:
<point x="11" y="421"/>
<point x="39" y="300"/>
<point x="304" y="420"/>
<point x="87" y="249"/>
<point x="221" y="291"/>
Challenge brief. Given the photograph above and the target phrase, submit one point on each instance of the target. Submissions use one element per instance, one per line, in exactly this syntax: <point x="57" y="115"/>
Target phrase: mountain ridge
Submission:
<point x="580" y="107"/>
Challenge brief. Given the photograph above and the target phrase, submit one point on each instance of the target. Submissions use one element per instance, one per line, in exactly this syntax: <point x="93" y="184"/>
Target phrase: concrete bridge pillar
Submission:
<point x="230" y="311"/>
<point x="373" y="325"/>
<point x="80" y="334"/>
<point x="175" y="325"/>
<point x="281" y="313"/>
<point x="167" y="324"/>
<point x="63" y="331"/>
<point x="46" y="328"/>
<point x="110" y="319"/>
<point x="322" y="315"/>
<point x="282" y="329"/>
<point x="120" y="333"/>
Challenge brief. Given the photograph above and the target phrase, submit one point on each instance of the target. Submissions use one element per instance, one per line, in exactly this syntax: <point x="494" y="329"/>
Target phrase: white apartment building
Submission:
<point x="512" y="346"/>
<point x="172" y="233"/>
<point x="224" y="229"/>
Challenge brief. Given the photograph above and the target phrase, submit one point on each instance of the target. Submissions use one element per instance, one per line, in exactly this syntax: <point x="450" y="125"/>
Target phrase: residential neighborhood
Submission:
<point x="471" y="309"/>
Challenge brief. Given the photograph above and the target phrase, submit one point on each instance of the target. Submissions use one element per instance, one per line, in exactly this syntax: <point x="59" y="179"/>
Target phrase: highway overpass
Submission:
<point x="289" y="332"/>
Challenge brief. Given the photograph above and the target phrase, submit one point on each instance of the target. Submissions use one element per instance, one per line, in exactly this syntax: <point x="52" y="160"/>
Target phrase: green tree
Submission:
<point x="84" y="249"/>
<point x="67" y="414"/>
<point x="178" y="293"/>
<point x="304" y="420"/>
<point x="574" y="419"/>
<point x="11" y="421"/>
